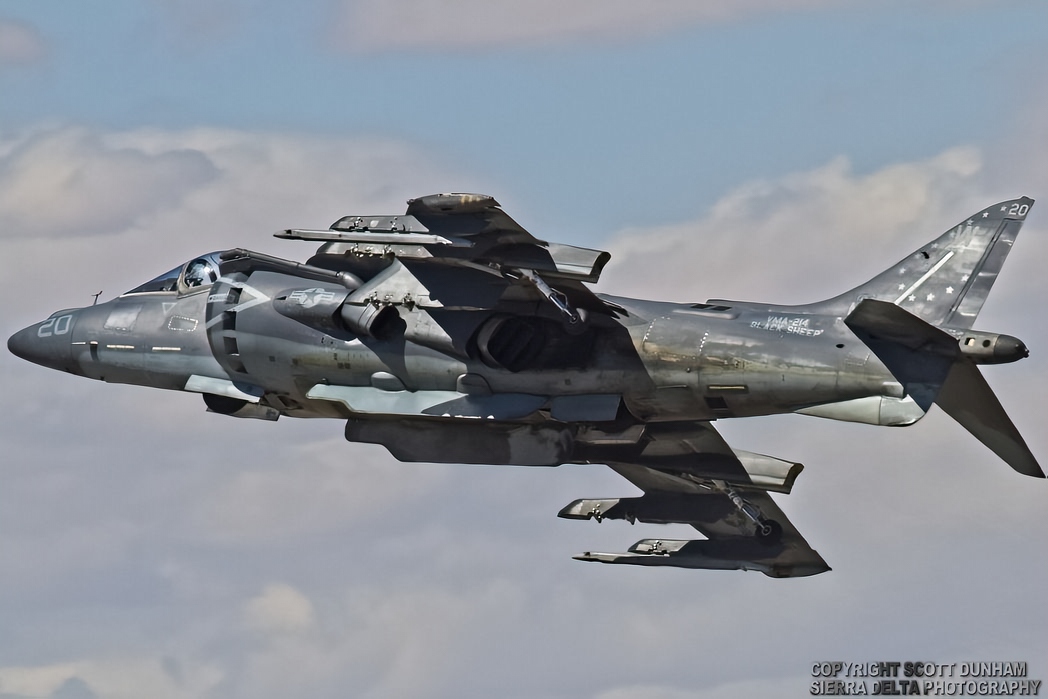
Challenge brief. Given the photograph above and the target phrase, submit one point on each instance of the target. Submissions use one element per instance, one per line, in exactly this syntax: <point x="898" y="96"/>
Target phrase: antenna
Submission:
<point x="96" y="295"/>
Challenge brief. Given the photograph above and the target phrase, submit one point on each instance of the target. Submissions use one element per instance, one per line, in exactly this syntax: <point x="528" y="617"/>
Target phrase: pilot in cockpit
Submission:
<point x="199" y="273"/>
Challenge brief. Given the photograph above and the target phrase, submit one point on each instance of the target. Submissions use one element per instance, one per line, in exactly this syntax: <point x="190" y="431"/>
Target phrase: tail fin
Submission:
<point x="946" y="282"/>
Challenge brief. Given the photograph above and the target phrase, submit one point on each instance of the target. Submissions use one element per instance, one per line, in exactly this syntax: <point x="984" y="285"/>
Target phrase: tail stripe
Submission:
<point x="929" y="273"/>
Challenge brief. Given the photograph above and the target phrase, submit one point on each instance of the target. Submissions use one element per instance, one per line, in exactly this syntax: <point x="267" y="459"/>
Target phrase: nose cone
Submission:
<point x="21" y="344"/>
<point x="39" y="344"/>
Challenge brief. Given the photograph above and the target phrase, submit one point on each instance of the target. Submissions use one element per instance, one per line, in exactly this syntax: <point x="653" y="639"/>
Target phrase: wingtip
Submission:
<point x="1035" y="472"/>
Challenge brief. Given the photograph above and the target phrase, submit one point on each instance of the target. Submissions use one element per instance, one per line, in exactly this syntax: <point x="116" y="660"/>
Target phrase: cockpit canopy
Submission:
<point x="195" y="275"/>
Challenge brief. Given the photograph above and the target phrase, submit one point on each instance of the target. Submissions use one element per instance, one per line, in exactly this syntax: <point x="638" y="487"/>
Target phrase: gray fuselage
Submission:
<point x="667" y="361"/>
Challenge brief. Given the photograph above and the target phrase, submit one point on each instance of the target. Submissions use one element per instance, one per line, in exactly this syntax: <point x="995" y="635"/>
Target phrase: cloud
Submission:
<point x="333" y="485"/>
<point x="74" y="688"/>
<point x="86" y="200"/>
<point x="798" y="238"/>
<point x="74" y="183"/>
<point x="411" y="638"/>
<point x="746" y="688"/>
<point x="20" y="44"/>
<point x="36" y="681"/>
<point x="279" y="609"/>
<point x="373" y="25"/>
<point x="113" y="678"/>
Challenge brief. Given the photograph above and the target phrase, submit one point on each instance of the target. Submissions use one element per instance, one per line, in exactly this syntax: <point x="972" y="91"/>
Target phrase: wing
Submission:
<point x="690" y="475"/>
<point x="424" y="255"/>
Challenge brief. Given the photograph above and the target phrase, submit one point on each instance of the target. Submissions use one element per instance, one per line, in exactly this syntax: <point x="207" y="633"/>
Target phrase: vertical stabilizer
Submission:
<point x="946" y="282"/>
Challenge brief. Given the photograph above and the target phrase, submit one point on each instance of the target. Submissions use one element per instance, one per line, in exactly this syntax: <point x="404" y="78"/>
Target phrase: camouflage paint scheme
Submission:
<point x="450" y="334"/>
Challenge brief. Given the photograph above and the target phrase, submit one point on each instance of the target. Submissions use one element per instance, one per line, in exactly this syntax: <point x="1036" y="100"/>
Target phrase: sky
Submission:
<point x="766" y="150"/>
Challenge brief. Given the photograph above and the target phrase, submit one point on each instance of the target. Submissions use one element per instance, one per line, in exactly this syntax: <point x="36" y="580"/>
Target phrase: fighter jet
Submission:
<point x="450" y="334"/>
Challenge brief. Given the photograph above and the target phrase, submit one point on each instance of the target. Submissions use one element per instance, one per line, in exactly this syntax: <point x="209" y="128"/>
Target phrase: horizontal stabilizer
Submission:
<point x="930" y="365"/>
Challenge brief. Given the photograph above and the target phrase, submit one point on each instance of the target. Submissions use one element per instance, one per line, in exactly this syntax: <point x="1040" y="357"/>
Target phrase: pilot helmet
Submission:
<point x="199" y="273"/>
